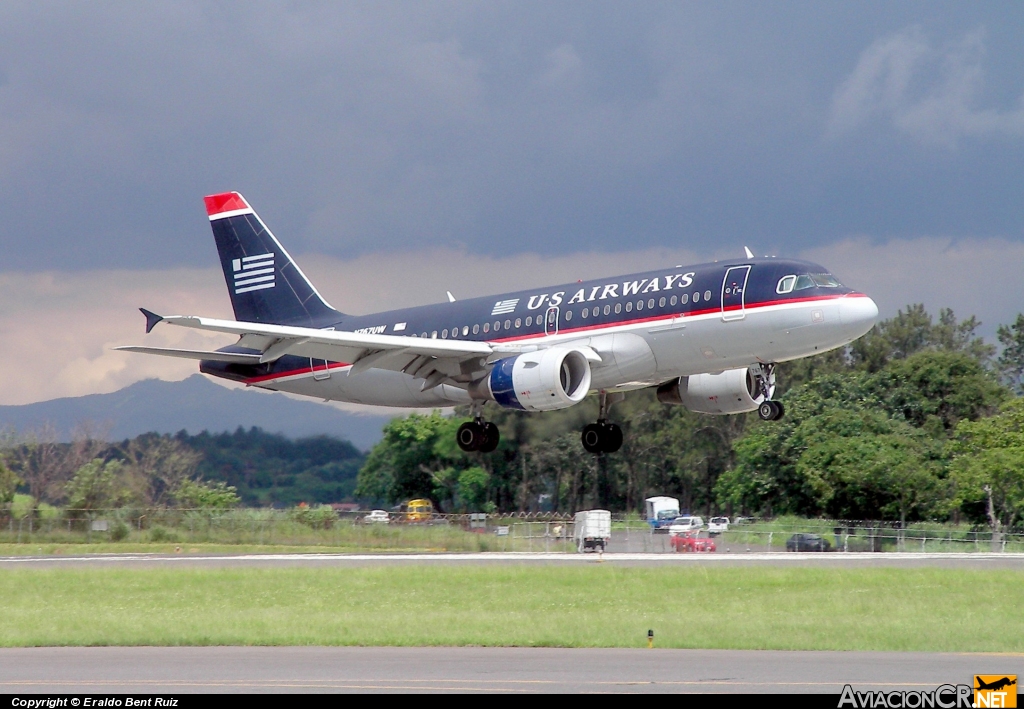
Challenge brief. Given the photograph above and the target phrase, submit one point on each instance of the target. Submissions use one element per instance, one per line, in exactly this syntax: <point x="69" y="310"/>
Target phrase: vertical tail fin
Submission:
<point x="264" y="283"/>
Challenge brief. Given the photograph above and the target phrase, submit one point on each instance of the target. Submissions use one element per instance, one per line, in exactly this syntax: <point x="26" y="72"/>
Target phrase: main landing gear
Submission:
<point x="768" y="410"/>
<point x="478" y="435"/>
<point x="603" y="436"/>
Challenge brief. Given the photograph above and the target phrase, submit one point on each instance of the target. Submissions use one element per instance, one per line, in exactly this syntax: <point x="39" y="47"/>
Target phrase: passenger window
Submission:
<point x="423" y="334"/>
<point x="529" y="320"/>
<point x="476" y="329"/>
<point x="519" y="323"/>
<point x="696" y="297"/>
<point x="465" y="330"/>
<point x="629" y="307"/>
<point x="568" y="315"/>
<point x="433" y="335"/>
<point x="684" y="298"/>
<point x="497" y="326"/>
<point x="673" y="301"/>
<point x="786" y="284"/>
<point x="585" y="313"/>
<point x="444" y="334"/>
<point x="639" y="305"/>
<point x="650" y="303"/>
<point x="707" y="295"/>
<point x="661" y="303"/>
<point x="508" y="324"/>
<point x="607" y="309"/>
<point x="618" y="308"/>
<point x="487" y="327"/>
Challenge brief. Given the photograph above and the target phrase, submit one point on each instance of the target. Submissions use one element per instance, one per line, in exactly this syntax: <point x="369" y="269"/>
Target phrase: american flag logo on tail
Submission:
<point x="253" y="273"/>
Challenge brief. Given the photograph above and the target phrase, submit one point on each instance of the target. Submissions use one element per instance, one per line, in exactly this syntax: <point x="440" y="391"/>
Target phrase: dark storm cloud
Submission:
<point x="503" y="128"/>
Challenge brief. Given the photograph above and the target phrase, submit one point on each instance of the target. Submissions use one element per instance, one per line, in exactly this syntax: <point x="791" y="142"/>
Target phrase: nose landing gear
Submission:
<point x="603" y="436"/>
<point x="768" y="410"/>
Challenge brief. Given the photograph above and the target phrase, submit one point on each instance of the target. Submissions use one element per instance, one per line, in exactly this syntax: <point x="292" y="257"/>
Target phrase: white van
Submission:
<point x="685" y="525"/>
<point x="717" y="525"/>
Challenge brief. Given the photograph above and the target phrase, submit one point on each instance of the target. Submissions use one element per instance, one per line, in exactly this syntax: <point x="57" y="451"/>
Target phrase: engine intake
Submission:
<point x="545" y="380"/>
<point x="734" y="391"/>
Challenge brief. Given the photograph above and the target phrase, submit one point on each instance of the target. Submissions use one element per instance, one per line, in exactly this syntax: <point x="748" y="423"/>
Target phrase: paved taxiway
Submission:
<point x="836" y="559"/>
<point x="172" y="671"/>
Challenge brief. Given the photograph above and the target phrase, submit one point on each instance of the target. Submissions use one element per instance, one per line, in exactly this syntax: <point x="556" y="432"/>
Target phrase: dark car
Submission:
<point x="808" y="542"/>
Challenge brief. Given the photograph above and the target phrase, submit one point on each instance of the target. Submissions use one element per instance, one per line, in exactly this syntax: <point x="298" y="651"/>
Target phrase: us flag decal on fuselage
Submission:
<point x="253" y="273"/>
<point x="503" y="307"/>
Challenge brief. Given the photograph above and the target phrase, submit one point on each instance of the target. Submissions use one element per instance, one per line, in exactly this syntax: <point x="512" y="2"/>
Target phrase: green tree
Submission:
<point x="988" y="466"/>
<point x="412" y="459"/>
<point x="473" y="484"/>
<point x="9" y="483"/>
<point x="1011" y="359"/>
<point x="194" y="494"/>
<point x="97" y="485"/>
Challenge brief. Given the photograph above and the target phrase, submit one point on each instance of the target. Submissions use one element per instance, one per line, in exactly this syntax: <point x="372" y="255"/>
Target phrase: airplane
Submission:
<point x="707" y="336"/>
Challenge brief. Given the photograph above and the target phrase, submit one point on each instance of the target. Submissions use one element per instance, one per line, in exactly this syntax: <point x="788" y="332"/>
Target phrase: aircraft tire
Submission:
<point x="612" y="438"/>
<point x="781" y="408"/>
<point x="491" y="438"/>
<point x="592" y="438"/>
<point x="768" y="411"/>
<point x="470" y="436"/>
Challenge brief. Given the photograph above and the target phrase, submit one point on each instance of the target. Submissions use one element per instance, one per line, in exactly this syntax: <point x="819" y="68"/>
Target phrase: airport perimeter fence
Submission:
<point x="523" y="532"/>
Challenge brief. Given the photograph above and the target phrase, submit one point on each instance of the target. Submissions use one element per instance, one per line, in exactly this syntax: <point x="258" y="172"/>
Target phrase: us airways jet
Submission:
<point x="707" y="336"/>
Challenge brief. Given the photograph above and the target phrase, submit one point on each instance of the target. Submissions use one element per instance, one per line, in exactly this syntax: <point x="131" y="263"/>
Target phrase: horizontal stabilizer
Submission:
<point x="231" y="357"/>
<point x="151" y="319"/>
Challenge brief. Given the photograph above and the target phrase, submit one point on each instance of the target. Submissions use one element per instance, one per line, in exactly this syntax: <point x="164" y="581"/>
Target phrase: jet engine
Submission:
<point x="734" y="391"/>
<point x="544" y="380"/>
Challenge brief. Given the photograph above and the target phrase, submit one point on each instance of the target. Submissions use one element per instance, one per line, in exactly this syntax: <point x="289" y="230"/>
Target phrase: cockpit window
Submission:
<point x="825" y="280"/>
<point x="803" y="281"/>
<point x="786" y="284"/>
<point x="809" y="280"/>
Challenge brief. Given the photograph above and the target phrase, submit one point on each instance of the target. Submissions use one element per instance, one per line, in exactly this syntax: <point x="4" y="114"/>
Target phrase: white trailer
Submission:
<point x="593" y="529"/>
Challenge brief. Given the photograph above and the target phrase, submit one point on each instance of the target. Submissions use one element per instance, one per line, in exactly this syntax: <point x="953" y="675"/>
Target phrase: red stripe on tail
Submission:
<point x="224" y="202"/>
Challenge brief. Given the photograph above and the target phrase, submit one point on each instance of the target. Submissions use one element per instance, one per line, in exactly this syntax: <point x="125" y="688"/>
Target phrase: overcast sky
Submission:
<point x="405" y="148"/>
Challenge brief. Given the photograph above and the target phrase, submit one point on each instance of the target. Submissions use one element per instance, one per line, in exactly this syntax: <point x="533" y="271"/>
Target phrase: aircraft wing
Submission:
<point x="435" y="361"/>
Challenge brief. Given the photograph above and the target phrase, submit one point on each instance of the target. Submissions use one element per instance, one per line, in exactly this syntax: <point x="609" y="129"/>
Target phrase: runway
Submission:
<point x="981" y="560"/>
<point x="181" y="670"/>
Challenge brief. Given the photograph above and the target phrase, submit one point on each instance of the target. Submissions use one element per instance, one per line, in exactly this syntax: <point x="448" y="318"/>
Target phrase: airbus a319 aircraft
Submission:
<point x="707" y="336"/>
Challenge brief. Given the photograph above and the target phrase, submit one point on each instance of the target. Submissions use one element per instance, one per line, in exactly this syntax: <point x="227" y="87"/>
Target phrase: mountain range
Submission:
<point x="194" y="404"/>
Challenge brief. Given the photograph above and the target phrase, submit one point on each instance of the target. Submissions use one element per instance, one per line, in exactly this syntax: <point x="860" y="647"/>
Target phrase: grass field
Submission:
<point x="597" y="605"/>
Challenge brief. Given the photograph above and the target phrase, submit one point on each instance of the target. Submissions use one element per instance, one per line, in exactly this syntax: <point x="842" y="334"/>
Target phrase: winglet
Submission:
<point x="748" y="252"/>
<point x="151" y="319"/>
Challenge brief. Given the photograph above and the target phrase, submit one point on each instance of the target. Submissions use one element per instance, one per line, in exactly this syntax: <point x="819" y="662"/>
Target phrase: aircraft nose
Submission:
<point x="858" y="314"/>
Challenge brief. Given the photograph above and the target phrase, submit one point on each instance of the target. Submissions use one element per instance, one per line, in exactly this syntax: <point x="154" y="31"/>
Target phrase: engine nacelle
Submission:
<point x="734" y="391"/>
<point x="544" y="380"/>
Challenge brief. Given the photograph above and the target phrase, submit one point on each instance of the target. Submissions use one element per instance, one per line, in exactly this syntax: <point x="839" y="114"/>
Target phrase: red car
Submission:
<point x="692" y="542"/>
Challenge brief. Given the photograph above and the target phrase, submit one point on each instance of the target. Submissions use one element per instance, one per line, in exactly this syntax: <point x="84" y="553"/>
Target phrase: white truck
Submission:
<point x="593" y="529"/>
<point x="661" y="511"/>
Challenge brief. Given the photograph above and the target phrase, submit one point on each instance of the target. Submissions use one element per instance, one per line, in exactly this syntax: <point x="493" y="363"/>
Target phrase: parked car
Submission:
<point x="692" y="541"/>
<point x="377" y="517"/>
<point x="808" y="542"/>
<point x="717" y="525"/>
<point x="687" y="523"/>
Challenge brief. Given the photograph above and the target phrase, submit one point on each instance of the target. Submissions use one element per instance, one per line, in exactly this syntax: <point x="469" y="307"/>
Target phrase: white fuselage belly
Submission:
<point x="633" y="355"/>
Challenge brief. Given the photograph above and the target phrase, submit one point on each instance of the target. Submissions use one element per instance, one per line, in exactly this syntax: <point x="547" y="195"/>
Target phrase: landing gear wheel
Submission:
<point x="770" y="411"/>
<point x="612" y="437"/>
<point x="592" y="438"/>
<point x="781" y="408"/>
<point x="491" y="438"/>
<point x="470" y="436"/>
